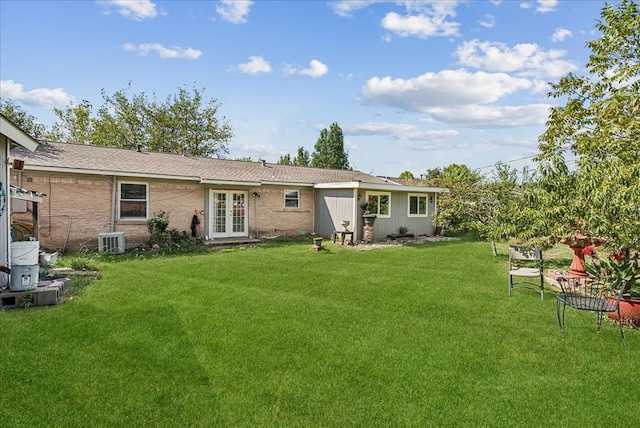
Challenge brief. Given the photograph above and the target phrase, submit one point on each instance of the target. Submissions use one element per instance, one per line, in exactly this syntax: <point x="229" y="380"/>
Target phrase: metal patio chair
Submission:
<point x="526" y="269"/>
<point x="587" y="295"/>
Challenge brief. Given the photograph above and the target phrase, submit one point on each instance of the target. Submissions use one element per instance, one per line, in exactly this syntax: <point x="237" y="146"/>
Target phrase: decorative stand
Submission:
<point x="578" y="243"/>
<point x="317" y="244"/>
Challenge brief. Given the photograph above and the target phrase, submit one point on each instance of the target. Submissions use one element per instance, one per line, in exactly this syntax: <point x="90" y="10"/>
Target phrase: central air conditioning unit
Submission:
<point x="111" y="243"/>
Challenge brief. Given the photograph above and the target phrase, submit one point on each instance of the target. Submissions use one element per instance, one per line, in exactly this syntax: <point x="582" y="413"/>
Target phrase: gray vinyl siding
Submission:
<point x="332" y="206"/>
<point x="399" y="216"/>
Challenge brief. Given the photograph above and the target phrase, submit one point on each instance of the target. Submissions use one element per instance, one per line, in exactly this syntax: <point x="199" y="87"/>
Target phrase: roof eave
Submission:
<point x="394" y="187"/>
<point x="230" y="182"/>
<point x="16" y="134"/>
<point x="110" y="173"/>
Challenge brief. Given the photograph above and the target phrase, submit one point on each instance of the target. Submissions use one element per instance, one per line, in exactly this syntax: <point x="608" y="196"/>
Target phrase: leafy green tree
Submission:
<point x="23" y="120"/>
<point x="196" y="123"/>
<point x="455" y="173"/>
<point x="505" y="173"/>
<point x="121" y="120"/>
<point x="598" y="127"/>
<point x="407" y="175"/>
<point x="302" y="158"/>
<point x="76" y="123"/>
<point x="184" y="122"/>
<point x="473" y="204"/>
<point x="329" y="149"/>
<point x="433" y="174"/>
<point x="285" y="160"/>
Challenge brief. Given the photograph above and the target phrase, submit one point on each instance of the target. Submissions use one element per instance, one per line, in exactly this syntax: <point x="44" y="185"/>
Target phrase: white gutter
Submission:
<point x="111" y="173"/>
<point x="381" y="186"/>
<point x="287" y="183"/>
<point x="230" y="183"/>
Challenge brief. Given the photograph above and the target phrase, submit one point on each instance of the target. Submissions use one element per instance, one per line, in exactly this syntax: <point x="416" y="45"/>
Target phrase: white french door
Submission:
<point x="227" y="213"/>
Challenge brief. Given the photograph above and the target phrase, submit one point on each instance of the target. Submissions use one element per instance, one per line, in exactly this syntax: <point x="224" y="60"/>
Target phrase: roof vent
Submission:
<point x="264" y="162"/>
<point x="184" y="150"/>
<point x="139" y="148"/>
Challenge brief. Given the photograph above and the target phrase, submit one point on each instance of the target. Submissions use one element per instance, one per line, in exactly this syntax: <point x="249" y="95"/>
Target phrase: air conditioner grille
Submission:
<point x="111" y="243"/>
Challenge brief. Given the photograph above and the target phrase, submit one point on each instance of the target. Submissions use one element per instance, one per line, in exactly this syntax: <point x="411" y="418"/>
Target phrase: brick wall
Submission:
<point x="77" y="208"/>
<point x="273" y="219"/>
<point x="73" y="212"/>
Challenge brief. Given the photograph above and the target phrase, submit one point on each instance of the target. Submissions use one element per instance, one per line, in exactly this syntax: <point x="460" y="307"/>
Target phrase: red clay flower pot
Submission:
<point x="629" y="311"/>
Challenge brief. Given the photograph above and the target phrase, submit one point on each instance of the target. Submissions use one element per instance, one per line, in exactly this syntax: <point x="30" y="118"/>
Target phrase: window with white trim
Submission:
<point x="133" y="201"/>
<point x="417" y="205"/>
<point x="381" y="203"/>
<point x="292" y="199"/>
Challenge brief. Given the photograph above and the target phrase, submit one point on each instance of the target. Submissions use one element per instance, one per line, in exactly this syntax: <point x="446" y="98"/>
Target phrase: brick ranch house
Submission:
<point x="92" y="190"/>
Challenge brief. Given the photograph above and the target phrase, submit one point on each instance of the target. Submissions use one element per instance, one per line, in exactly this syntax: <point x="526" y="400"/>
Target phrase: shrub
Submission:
<point x="171" y="241"/>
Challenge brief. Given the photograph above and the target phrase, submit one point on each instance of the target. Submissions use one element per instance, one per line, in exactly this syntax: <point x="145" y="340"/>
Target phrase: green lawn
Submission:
<point x="282" y="336"/>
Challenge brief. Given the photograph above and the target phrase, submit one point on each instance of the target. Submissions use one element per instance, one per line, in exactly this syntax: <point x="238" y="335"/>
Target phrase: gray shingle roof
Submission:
<point x="115" y="161"/>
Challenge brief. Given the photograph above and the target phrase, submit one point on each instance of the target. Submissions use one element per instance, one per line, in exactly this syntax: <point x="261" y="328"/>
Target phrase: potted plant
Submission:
<point x="611" y="271"/>
<point x="369" y="210"/>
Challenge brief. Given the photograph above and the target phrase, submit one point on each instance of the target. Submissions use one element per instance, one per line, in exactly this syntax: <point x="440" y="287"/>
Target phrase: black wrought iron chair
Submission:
<point x="587" y="295"/>
<point x="526" y="264"/>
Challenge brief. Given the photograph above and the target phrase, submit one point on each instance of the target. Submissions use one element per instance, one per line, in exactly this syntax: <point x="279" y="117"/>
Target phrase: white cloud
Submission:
<point x="422" y="25"/>
<point x="488" y="21"/>
<point x="398" y="131"/>
<point x="256" y="65"/>
<point x="445" y="88"/>
<point x="234" y="11"/>
<point x="546" y="5"/>
<point x="560" y="34"/>
<point x="477" y="116"/>
<point x="316" y="69"/>
<point x="144" y="49"/>
<point x="41" y="97"/>
<point x="527" y="59"/>
<point x="345" y="8"/>
<point x="133" y="9"/>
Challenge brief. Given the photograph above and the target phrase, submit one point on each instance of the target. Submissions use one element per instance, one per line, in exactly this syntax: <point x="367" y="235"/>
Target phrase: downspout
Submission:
<point x="114" y="189"/>
<point x="354" y="217"/>
<point x="256" y="195"/>
<point x="313" y="215"/>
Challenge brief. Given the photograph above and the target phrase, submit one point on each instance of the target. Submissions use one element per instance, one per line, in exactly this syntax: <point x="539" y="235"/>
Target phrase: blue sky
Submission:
<point x="413" y="84"/>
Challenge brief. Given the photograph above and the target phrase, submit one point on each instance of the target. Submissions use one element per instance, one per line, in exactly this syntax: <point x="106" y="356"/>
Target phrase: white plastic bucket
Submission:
<point x="24" y="277"/>
<point x="48" y="259"/>
<point x="25" y="253"/>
